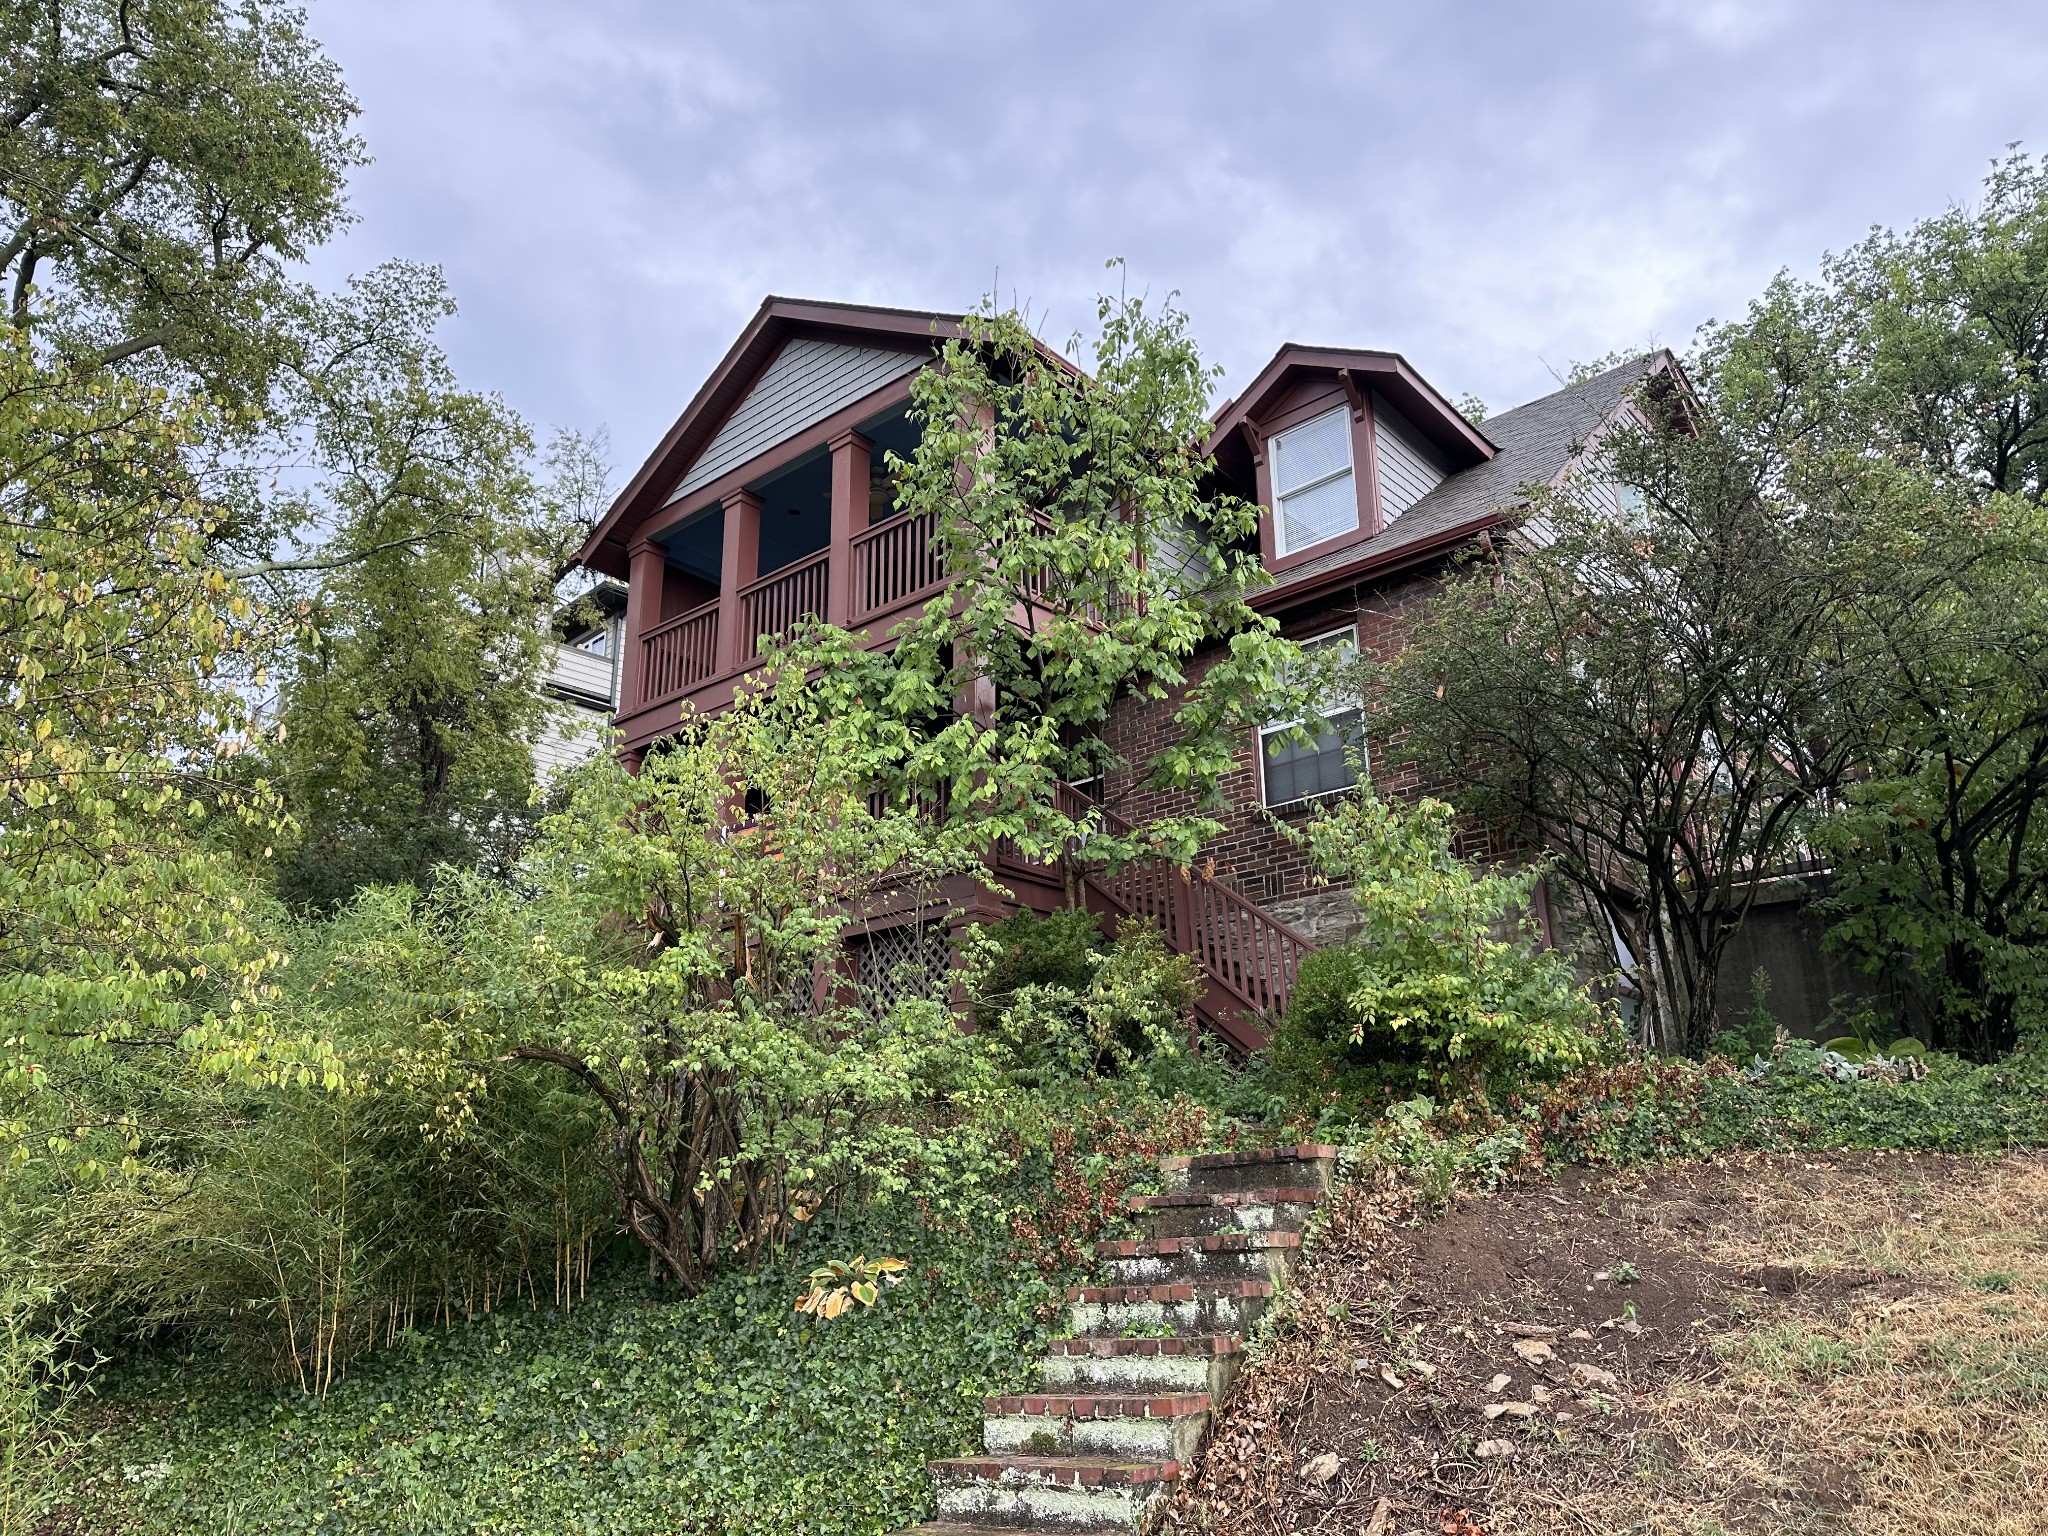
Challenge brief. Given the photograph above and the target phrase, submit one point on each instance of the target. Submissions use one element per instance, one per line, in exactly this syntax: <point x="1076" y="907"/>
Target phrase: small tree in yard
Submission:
<point x="1089" y="559"/>
<point x="1655" y="694"/>
<point x="678" y="961"/>
<point x="1445" y="989"/>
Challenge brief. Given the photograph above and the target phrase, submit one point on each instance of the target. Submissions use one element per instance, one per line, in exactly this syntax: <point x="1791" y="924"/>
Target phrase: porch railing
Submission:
<point x="895" y="561"/>
<point x="679" y="654"/>
<point x="775" y="604"/>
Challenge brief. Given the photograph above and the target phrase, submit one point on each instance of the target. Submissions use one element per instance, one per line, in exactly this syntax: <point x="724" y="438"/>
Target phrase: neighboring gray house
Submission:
<point x="582" y="682"/>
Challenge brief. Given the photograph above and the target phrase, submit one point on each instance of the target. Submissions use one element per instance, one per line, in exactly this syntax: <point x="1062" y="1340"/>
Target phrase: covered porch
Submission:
<point x="817" y="535"/>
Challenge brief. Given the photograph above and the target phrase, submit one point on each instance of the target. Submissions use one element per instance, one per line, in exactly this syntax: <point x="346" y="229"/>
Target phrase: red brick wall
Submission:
<point x="1252" y="853"/>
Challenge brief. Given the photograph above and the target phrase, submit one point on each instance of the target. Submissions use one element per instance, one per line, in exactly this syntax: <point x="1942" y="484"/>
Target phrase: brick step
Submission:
<point x="1187" y="1307"/>
<point x="1217" y="1255"/>
<point x="1198" y="1344"/>
<point x="1149" y="1428"/>
<point x="1283" y="1208"/>
<point x="1128" y="1400"/>
<point x="1225" y="1172"/>
<point x="1205" y="1363"/>
<point x="1049" y="1492"/>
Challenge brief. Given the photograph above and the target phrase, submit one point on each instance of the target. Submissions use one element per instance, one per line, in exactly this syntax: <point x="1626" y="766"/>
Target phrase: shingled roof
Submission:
<point x="1536" y="442"/>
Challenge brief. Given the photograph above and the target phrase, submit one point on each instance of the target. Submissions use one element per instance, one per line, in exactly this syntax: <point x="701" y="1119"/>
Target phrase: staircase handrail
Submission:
<point x="1249" y="952"/>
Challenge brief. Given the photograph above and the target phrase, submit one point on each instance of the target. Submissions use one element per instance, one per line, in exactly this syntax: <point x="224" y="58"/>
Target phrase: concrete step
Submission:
<point x="1141" y="1427"/>
<point x="1283" y="1208"/>
<point x="1308" y="1164"/>
<point x="1205" y="1363"/>
<point x="1188" y="1307"/>
<point x="1218" y="1256"/>
<point x="1050" y="1493"/>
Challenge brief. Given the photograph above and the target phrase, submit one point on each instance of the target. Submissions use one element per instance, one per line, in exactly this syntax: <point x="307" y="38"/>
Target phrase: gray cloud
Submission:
<point x="1492" y="188"/>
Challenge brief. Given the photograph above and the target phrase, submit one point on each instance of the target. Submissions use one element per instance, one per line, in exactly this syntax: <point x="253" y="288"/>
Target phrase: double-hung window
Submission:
<point x="1329" y="761"/>
<point x="1314" y="494"/>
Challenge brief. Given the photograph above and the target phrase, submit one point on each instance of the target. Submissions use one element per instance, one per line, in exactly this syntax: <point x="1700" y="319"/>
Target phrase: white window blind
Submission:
<point x="1301" y="770"/>
<point x="1313" y="491"/>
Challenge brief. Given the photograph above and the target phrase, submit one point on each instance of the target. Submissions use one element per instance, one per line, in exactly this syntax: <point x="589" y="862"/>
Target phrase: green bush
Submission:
<point x="1315" y="1053"/>
<point x="1445" y="991"/>
<point x="1069" y="1004"/>
<point x="1060" y="949"/>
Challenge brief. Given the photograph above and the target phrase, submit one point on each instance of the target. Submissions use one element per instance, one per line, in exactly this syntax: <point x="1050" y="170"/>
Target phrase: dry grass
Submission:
<point x="1916" y="1406"/>
<point x="1849" y="1344"/>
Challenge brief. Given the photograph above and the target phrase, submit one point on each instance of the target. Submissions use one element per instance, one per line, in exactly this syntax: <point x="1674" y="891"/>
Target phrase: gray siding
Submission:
<point x="581" y="674"/>
<point x="1409" y="467"/>
<point x="807" y="382"/>
<point x="569" y="735"/>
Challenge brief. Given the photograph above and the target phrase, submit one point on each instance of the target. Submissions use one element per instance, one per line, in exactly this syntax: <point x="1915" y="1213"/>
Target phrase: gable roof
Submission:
<point x="777" y="321"/>
<point x="1536" y="443"/>
<point x="1388" y="372"/>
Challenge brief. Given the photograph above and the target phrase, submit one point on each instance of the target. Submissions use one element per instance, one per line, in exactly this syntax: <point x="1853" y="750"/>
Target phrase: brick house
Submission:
<point x="763" y="504"/>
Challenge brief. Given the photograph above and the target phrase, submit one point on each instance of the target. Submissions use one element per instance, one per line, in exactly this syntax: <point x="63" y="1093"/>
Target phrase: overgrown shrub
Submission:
<point x="1061" y="949"/>
<point x="1066" y="1003"/>
<point x="1444" y="991"/>
<point x="1645" y="1109"/>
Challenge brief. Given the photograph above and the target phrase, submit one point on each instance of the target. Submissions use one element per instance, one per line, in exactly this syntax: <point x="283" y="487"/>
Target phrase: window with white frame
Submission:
<point x="1296" y="769"/>
<point x="1314" y="496"/>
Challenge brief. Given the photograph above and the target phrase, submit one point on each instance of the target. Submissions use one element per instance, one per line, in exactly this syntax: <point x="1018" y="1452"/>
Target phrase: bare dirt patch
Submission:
<point x="1757" y="1344"/>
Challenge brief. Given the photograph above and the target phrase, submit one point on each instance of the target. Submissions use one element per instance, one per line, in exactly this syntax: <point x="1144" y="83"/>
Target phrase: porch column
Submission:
<point x="850" y="457"/>
<point x="646" y="569"/>
<point x="739" y="562"/>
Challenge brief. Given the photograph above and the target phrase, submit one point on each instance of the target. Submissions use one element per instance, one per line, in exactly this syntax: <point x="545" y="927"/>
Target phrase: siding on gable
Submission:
<point x="807" y="382"/>
<point x="1409" y="467"/>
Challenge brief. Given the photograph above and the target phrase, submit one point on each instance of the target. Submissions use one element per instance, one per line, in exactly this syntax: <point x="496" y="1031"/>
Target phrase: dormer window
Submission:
<point x="1314" y="495"/>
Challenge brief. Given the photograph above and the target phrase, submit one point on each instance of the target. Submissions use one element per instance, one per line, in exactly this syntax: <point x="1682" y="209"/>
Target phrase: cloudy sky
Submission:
<point x="1494" y="189"/>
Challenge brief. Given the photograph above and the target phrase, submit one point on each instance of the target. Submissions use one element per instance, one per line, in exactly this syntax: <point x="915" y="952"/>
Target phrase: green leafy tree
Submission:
<point x="123" y="643"/>
<point x="1090" y="559"/>
<point x="409" y="711"/>
<point x="1928" y="352"/>
<point x="165" y="168"/>
<point x="683" y="965"/>
<point x="1446" y="989"/>
<point x="163" y="163"/>
<point x="1650" y="683"/>
<point x="1940" y="855"/>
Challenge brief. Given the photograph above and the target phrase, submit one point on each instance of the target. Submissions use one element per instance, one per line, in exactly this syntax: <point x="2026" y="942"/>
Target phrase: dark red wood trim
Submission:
<point x="1365" y="445"/>
<point x="784" y="453"/>
<point x="1319" y="403"/>
<point x="1351" y="394"/>
<point x="851" y="454"/>
<point x="1279" y="564"/>
<point x="1373" y="566"/>
<point x="775" y="322"/>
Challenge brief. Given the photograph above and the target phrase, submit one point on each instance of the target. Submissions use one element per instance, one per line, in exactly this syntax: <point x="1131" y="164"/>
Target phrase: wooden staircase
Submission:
<point x="1126" y="1401"/>
<point x="1247" y="956"/>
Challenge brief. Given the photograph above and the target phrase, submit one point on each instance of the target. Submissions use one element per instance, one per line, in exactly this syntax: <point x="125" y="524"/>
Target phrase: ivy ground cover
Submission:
<point x="637" y="1412"/>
